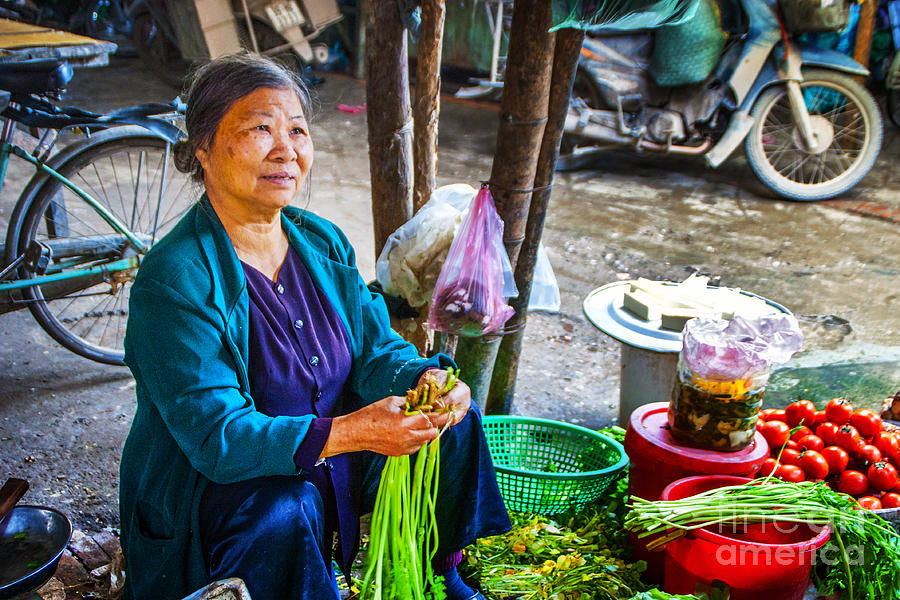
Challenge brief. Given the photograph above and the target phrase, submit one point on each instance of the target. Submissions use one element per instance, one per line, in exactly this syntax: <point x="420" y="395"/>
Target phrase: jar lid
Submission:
<point x="648" y="435"/>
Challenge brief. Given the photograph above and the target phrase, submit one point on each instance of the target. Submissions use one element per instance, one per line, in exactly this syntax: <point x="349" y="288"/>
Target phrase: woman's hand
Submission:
<point x="457" y="400"/>
<point x="382" y="427"/>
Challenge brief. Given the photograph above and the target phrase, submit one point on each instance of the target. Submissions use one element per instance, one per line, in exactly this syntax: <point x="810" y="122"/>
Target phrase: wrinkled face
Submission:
<point x="260" y="155"/>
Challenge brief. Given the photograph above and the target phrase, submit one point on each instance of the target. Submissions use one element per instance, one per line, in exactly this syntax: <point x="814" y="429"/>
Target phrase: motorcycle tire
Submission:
<point x="843" y="113"/>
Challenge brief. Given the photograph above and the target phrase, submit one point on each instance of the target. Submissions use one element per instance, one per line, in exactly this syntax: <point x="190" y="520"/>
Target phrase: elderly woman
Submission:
<point x="269" y="383"/>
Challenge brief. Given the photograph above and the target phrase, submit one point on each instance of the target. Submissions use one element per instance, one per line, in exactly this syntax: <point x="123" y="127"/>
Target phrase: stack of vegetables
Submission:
<point x="575" y="556"/>
<point x="852" y="451"/>
<point x="404" y="536"/>
<point x="579" y="555"/>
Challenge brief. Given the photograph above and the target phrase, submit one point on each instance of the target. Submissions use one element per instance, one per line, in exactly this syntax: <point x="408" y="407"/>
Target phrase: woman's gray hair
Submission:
<point x="215" y="87"/>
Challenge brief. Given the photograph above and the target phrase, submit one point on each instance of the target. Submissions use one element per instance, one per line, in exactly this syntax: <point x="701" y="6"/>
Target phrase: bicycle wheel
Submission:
<point x="844" y="117"/>
<point x="129" y="172"/>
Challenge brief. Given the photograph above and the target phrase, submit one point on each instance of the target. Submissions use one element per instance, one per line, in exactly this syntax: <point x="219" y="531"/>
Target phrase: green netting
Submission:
<point x="688" y="53"/>
<point x="548" y="467"/>
<point x="596" y="15"/>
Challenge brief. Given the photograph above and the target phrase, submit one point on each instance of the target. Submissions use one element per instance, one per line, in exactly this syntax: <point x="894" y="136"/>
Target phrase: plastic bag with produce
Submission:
<point x="411" y="260"/>
<point x="476" y="279"/>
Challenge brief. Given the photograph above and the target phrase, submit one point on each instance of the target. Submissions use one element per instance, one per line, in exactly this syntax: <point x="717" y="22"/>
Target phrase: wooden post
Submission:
<point x="523" y="115"/>
<point x="565" y="62"/>
<point x="427" y="105"/>
<point x="389" y="119"/>
<point x="864" y="30"/>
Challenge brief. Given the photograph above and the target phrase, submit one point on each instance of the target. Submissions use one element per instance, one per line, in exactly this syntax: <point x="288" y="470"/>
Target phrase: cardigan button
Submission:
<point x="279" y="288"/>
<point x="314" y="360"/>
<point x="298" y="323"/>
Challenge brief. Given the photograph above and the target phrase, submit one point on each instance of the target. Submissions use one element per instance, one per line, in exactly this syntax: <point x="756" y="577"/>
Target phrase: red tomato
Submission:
<point x="891" y="500"/>
<point x="867" y="422"/>
<point x="791" y="473"/>
<point x="870" y="454"/>
<point x="838" y="411"/>
<point x="791" y="444"/>
<point x="869" y="503"/>
<point x="811" y="442"/>
<point x="801" y="432"/>
<point x="773" y="414"/>
<point x="826" y="431"/>
<point x="819" y="419"/>
<point x="814" y="465"/>
<point x="883" y="476"/>
<point x="887" y="443"/>
<point x="800" y="412"/>
<point x="776" y="433"/>
<point x="766" y="413"/>
<point x="768" y="467"/>
<point x="759" y="424"/>
<point x="790" y="457"/>
<point x="837" y="458"/>
<point x="847" y="437"/>
<point x="853" y="483"/>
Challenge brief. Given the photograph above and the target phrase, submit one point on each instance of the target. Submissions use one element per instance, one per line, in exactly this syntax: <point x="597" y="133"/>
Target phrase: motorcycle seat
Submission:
<point x="35" y="76"/>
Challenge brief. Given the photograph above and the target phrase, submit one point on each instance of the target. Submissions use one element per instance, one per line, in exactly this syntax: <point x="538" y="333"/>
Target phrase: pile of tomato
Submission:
<point x="848" y="449"/>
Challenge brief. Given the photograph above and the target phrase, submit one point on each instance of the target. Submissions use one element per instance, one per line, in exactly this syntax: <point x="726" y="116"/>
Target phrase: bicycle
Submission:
<point x="89" y="213"/>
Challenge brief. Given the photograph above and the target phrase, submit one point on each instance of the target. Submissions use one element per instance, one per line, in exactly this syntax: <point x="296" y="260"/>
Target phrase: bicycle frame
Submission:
<point x="7" y="148"/>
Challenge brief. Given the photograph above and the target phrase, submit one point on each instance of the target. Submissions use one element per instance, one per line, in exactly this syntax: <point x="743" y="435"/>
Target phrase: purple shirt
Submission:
<point x="299" y="360"/>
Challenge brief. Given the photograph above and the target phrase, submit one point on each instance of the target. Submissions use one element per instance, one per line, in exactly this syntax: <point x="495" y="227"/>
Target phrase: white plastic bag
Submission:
<point x="544" y="289"/>
<point x="411" y="260"/>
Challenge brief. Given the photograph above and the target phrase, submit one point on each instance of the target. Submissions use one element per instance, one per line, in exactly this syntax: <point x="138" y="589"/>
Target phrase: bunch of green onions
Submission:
<point x="404" y="536"/>
<point x="812" y="503"/>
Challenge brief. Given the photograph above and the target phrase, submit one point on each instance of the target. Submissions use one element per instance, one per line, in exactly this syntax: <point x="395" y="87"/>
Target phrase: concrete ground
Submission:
<point x="63" y="419"/>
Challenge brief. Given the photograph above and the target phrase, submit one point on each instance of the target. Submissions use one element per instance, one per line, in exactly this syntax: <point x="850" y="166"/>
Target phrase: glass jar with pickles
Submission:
<point x="712" y="414"/>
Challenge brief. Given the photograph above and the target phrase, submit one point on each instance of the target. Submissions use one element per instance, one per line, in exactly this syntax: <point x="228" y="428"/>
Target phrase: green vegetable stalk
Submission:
<point x="404" y="536"/>
<point x="874" y="571"/>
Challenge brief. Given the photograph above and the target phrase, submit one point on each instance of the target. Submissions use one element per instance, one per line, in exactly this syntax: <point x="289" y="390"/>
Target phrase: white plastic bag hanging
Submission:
<point x="544" y="289"/>
<point x="411" y="260"/>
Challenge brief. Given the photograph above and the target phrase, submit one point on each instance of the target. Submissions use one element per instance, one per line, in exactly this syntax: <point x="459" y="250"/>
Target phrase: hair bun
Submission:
<point x="183" y="154"/>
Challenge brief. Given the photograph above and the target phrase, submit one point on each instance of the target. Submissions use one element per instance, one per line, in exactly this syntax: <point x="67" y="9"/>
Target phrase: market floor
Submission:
<point x="63" y="419"/>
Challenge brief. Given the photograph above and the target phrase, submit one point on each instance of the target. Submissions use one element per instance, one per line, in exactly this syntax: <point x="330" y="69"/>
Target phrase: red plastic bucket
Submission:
<point x="656" y="459"/>
<point x="765" y="560"/>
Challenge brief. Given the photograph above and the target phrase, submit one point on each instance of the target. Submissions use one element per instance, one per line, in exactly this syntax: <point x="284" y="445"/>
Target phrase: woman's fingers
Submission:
<point x="458" y="401"/>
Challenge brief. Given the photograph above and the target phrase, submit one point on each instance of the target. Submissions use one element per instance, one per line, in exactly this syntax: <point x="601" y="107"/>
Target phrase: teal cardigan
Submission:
<point x="186" y="344"/>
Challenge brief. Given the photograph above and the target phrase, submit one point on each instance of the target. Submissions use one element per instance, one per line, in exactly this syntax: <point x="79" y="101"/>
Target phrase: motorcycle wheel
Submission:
<point x="893" y="106"/>
<point x="843" y="114"/>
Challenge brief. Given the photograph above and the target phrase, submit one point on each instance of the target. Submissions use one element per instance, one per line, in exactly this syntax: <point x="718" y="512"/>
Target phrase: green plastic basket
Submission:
<point x="548" y="467"/>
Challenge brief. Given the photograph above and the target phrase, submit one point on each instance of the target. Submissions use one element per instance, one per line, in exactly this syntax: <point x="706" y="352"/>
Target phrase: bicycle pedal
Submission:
<point x="38" y="257"/>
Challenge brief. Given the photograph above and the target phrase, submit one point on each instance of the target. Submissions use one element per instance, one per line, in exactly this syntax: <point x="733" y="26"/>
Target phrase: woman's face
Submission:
<point x="261" y="153"/>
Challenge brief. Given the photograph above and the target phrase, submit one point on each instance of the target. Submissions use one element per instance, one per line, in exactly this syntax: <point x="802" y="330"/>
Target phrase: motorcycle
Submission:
<point x="810" y="131"/>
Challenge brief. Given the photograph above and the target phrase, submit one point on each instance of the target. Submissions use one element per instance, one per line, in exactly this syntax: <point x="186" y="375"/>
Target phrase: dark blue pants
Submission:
<point x="271" y="531"/>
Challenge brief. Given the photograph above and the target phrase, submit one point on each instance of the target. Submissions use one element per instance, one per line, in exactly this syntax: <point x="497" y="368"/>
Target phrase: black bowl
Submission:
<point x="32" y="539"/>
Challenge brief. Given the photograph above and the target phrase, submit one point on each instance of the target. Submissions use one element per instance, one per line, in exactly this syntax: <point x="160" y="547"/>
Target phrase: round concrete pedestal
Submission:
<point x="647" y="377"/>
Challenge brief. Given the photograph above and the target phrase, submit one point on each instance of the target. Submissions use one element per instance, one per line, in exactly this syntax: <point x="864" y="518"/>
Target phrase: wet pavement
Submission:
<point x="63" y="419"/>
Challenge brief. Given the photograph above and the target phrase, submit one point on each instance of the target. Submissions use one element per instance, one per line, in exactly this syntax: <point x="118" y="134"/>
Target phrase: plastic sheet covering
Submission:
<point x="596" y="15"/>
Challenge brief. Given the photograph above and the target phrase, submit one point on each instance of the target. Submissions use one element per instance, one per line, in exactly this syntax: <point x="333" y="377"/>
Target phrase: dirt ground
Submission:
<point x="63" y="419"/>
